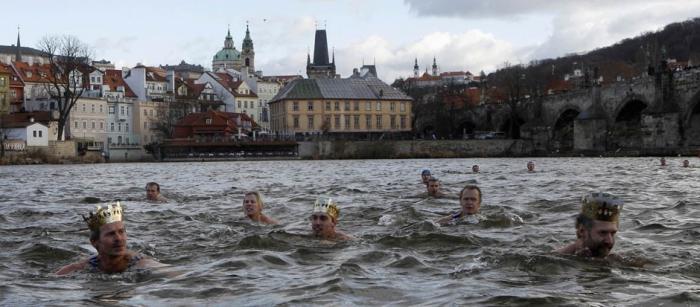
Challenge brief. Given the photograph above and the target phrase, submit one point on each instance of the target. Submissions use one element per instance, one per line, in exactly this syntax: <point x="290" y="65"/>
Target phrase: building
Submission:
<point x="147" y="83"/>
<point x="17" y="53"/>
<point x="22" y="135"/>
<point x="321" y="67"/>
<point x="185" y="70"/>
<point x="234" y="92"/>
<point x="147" y="120"/>
<point x="88" y="123"/>
<point x="15" y="94"/>
<point x="43" y="117"/>
<point x="103" y="65"/>
<point x="5" y="92"/>
<point x="213" y="126"/>
<point x="354" y="106"/>
<point x="230" y="58"/>
<point x="266" y="91"/>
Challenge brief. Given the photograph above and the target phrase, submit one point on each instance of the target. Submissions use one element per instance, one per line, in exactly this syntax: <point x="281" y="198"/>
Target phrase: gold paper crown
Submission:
<point x="110" y="214"/>
<point x="328" y="206"/>
<point x="601" y="207"/>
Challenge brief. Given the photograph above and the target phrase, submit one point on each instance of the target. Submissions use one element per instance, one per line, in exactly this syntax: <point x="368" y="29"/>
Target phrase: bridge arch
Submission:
<point x="626" y="132"/>
<point x="563" y="129"/>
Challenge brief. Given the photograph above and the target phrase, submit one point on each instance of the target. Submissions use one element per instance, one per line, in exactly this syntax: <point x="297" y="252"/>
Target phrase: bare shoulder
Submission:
<point x="147" y="262"/>
<point x="343" y="237"/>
<point x="68" y="269"/>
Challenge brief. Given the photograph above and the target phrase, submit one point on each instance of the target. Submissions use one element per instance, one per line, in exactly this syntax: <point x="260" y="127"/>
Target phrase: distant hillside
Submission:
<point x="626" y="59"/>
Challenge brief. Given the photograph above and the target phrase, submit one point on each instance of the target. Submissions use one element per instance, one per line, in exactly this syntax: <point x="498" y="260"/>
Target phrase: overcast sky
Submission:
<point x="469" y="35"/>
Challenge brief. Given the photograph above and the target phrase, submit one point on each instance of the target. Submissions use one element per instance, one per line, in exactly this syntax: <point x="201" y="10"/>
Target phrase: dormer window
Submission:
<point x="208" y="121"/>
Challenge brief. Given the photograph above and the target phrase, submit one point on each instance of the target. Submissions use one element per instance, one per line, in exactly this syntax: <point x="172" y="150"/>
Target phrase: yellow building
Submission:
<point x="340" y="106"/>
<point x="5" y="75"/>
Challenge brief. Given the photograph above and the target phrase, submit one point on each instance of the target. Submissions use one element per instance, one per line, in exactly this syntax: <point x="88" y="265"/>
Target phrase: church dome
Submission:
<point x="227" y="54"/>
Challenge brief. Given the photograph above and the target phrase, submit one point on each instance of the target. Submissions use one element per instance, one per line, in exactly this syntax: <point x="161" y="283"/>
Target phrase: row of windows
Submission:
<point x="347" y="105"/>
<point x="34" y="133"/>
<point x="93" y="126"/>
<point x="354" y="123"/>
<point x="252" y="104"/>
<point x="149" y="112"/>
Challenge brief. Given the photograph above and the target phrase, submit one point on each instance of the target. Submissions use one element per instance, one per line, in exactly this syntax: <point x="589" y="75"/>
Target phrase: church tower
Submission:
<point x="416" y="69"/>
<point x="321" y="68"/>
<point x="18" y="51"/>
<point x="435" y="68"/>
<point x="248" y="52"/>
<point x="227" y="57"/>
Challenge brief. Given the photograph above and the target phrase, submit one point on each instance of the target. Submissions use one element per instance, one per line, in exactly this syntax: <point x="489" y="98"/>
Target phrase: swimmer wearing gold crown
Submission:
<point x="324" y="218"/>
<point x="108" y="236"/>
<point x="596" y="226"/>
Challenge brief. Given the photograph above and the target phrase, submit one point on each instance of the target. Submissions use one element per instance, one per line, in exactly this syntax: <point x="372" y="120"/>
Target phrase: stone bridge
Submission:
<point x="657" y="114"/>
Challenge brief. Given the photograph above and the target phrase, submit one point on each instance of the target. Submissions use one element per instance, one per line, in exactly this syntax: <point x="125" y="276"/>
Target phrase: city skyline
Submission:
<point x="462" y="35"/>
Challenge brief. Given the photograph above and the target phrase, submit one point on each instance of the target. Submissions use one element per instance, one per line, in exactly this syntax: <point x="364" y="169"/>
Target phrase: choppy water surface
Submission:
<point x="399" y="256"/>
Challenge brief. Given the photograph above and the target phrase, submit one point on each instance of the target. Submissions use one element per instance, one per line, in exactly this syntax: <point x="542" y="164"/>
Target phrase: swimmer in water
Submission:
<point x="153" y="193"/>
<point x="475" y="168"/>
<point x="596" y="226"/>
<point x="324" y="219"/>
<point x="470" y="201"/>
<point x="434" y="187"/>
<point x="252" y="208"/>
<point x="425" y="176"/>
<point x="531" y="167"/>
<point x="686" y="163"/>
<point x="108" y="237"/>
<point x="662" y="161"/>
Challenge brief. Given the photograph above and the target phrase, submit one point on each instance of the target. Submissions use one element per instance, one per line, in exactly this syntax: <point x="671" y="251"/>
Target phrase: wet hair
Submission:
<point x="425" y="172"/>
<point x="94" y="235"/>
<point x="470" y="187"/>
<point x="583" y="220"/>
<point x="153" y="184"/>
<point x="258" y="198"/>
<point x="433" y="179"/>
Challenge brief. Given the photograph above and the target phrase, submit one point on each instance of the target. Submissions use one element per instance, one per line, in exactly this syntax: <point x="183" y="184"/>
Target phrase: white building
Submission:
<point x="266" y="91"/>
<point x="32" y="134"/>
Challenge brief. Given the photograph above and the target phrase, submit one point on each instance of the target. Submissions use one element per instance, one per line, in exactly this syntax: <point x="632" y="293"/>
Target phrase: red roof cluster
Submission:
<point x="223" y="124"/>
<point x="113" y="78"/>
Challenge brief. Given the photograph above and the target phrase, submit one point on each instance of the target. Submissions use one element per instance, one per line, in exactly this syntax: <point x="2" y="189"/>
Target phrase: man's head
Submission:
<point x="663" y="161"/>
<point x="470" y="199"/>
<point x="598" y="223"/>
<point x="252" y="204"/>
<point x="686" y="163"/>
<point x="531" y="166"/>
<point x="475" y="168"/>
<point x="425" y="176"/>
<point x="107" y="231"/>
<point x="433" y="186"/>
<point x="152" y="191"/>
<point x="324" y="217"/>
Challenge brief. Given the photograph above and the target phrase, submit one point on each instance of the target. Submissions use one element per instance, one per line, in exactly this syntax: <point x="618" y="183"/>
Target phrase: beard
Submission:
<point x="598" y="249"/>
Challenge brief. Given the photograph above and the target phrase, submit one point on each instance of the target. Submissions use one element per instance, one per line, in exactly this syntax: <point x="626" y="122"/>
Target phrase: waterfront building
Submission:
<point x="5" y="77"/>
<point x="234" y="92"/>
<point x="24" y="134"/>
<point x="148" y="83"/>
<point x="321" y="67"/>
<point x="88" y="123"/>
<point x="15" y="90"/>
<point x="35" y="78"/>
<point x="213" y="126"/>
<point x="148" y="119"/>
<point x="266" y="91"/>
<point x="352" y="107"/>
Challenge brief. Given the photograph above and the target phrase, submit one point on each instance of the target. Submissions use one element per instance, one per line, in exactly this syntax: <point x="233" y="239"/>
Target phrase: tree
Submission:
<point x="68" y="58"/>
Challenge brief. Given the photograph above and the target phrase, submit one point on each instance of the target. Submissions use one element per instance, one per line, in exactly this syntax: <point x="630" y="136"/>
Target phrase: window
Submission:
<point x="101" y="109"/>
<point x="379" y="106"/>
<point x="92" y="108"/>
<point x="295" y="106"/>
<point x="93" y="125"/>
<point x="310" y="106"/>
<point x="111" y="126"/>
<point x="127" y="127"/>
<point x="122" y="110"/>
<point x="2" y="81"/>
<point x="379" y="122"/>
<point x="150" y="112"/>
<point x="368" y="121"/>
<point x="83" y="107"/>
<point x="336" y="106"/>
<point x="357" y="121"/>
<point x="392" y="107"/>
<point x="310" y="121"/>
<point x="111" y="110"/>
<point x="403" y="107"/>
<point x="245" y="104"/>
<point x="356" y="106"/>
<point x="109" y="140"/>
<point x="34" y="133"/>
<point x="40" y="133"/>
<point x="239" y="104"/>
<point x="127" y="111"/>
<point x="337" y="122"/>
<point x="368" y="106"/>
<point x="328" y="105"/>
<point x="347" y="106"/>
<point x="393" y="122"/>
<point x="145" y="113"/>
<point x="102" y="125"/>
<point x="327" y="121"/>
<point x="296" y="121"/>
<point x="347" y="122"/>
<point x="92" y="79"/>
<point x="84" y="124"/>
<point x="402" y="121"/>
<point x="120" y="126"/>
<point x="119" y="140"/>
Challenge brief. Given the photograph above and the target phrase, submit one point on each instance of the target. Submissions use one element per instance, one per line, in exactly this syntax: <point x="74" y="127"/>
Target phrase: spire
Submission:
<point x="18" y="53"/>
<point x="228" y="41"/>
<point x="416" y="69"/>
<point x="333" y="56"/>
<point x="247" y="41"/>
<point x="321" y="48"/>
<point x="435" y="68"/>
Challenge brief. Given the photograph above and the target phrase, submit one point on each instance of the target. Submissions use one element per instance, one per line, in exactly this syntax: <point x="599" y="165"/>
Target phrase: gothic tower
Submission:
<point x="248" y="52"/>
<point x="435" y="68"/>
<point x="18" y="52"/>
<point x="416" y="69"/>
<point x="321" y="68"/>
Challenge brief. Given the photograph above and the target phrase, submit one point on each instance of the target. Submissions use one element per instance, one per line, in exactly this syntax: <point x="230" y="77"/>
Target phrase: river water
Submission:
<point x="399" y="257"/>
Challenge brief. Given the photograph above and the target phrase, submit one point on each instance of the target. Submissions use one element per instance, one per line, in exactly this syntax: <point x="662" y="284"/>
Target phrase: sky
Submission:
<point x="463" y="35"/>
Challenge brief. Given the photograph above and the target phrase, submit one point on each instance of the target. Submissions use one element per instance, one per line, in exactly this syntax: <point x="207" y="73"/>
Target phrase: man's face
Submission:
<point x="686" y="163"/>
<point x="531" y="166"/>
<point x="152" y="192"/>
<point x="425" y="177"/>
<point x="251" y="205"/>
<point x="433" y="187"/>
<point x="600" y="239"/>
<point x="322" y="225"/>
<point x="663" y="162"/>
<point x="112" y="241"/>
<point x="470" y="201"/>
<point x="475" y="168"/>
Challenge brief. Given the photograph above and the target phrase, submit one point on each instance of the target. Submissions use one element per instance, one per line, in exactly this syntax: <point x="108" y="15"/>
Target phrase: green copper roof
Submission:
<point x="227" y="54"/>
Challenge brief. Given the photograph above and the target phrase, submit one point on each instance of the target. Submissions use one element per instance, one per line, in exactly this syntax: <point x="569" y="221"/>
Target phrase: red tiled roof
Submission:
<point x="452" y="73"/>
<point x="230" y="83"/>
<point x="221" y="123"/>
<point x="156" y="74"/>
<point x="19" y="118"/>
<point x="33" y="73"/>
<point x="113" y="79"/>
